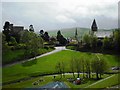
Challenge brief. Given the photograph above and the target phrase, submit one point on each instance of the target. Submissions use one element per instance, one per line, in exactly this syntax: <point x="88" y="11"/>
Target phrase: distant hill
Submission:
<point x="70" y="32"/>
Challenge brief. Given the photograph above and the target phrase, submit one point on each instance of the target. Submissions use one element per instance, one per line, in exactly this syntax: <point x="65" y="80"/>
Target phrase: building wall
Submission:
<point x="17" y="29"/>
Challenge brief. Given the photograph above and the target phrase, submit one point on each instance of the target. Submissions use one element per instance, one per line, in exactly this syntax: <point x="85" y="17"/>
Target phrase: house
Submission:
<point x="16" y="29"/>
<point x="101" y="34"/>
<point x="104" y="33"/>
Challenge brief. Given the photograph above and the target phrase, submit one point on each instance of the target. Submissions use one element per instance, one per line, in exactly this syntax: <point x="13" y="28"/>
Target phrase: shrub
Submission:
<point x="71" y="47"/>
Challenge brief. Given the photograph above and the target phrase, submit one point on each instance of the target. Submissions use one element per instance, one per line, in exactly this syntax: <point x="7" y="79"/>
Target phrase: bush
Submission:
<point x="71" y="47"/>
<point x="18" y="47"/>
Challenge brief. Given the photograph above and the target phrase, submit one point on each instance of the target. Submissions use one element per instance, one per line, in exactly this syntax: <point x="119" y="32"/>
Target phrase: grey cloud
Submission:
<point x="48" y="15"/>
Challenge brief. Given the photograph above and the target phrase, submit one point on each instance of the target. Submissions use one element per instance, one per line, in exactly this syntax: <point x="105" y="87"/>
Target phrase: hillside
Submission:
<point x="70" y="32"/>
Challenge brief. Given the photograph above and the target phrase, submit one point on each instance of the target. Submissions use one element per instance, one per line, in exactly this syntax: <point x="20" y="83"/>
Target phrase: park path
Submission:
<point x="57" y="49"/>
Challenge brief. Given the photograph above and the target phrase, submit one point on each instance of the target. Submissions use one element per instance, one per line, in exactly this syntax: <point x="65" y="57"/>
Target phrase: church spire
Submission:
<point x="94" y="26"/>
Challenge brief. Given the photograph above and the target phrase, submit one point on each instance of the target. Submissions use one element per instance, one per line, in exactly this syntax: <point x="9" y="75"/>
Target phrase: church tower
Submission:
<point x="93" y="27"/>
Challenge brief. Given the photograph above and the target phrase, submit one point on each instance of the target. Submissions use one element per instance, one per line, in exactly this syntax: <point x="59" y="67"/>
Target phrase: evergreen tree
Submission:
<point x="46" y="36"/>
<point x="6" y="31"/>
<point x="31" y="28"/>
<point x="61" y="39"/>
<point x="76" y="33"/>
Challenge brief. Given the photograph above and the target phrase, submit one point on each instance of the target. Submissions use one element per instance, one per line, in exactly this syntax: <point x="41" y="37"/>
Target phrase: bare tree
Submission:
<point x="83" y="66"/>
<point x="77" y="66"/>
<point x="60" y="67"/>
<point x="72" y="66"/>
<point x="88" y="68"/>
<point x="63" y="68"/>
<point x="95" y="66"/>
<point x="104" y="66"/>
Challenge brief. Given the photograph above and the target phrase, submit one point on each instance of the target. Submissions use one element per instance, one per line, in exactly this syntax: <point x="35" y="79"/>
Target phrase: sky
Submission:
<point x="58" y="14"/>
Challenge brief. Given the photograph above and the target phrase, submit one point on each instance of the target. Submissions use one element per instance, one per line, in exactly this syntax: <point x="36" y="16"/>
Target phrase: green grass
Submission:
<point x="107" y="83"/>
<point x="17" y="55"/>
<point x="29" y="83"/>
<point x="45" y="65"/>
<point x="86" y="82"/>
<point x="11" y="56"/>
<point x="48" y="79"/>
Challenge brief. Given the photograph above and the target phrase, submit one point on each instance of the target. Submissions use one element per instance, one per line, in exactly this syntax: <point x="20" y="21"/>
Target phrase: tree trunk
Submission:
<point x="83" y="73"/>
<point x="73" y="75"/>
<point x="100" y="75"/>
<point x="97" y="76"/>
<point x="78" y="74"/>
<point x="61" y="76"/>
<point x="89" y="74"/>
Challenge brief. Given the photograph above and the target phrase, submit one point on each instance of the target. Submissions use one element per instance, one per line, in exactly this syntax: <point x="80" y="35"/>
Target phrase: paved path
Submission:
<point x="99" y="81"/>
<point x="57" y="49"/>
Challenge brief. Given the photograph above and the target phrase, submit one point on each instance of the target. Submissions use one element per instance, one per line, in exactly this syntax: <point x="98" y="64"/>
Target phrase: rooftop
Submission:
<point x="103" y="34"/>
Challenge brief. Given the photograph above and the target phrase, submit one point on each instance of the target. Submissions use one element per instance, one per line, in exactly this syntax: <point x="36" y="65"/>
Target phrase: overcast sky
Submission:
<point x="57" y="14"/>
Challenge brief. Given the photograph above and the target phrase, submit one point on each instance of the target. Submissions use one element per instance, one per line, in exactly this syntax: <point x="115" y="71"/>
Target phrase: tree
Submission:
<point x="104" y="66"/>
<point x="5" y="47"/>
<point x="77" y="66"/>
<point x="95" y="66"/>
<point x="13" y="41"/>
<point x="93" y="41"/>
<point x="52" y="40"/>
<point x="76" y="34"/>
<point x="35" y="43"/>
<point x="42" y="33"/>
<point x="63" y="68"/>
<point x="88" y="68"/>
<point x="82" y="65"/>
<point x="31" y="28"/>
<point x="46" y="36"/>
<point x="106" y="43"/>
<point x="58" y="68"/>
<point x="32" y="43"/>
<point x="25" y="36"/>
<point x="99" y="66"/>
<point x="72" y="66"/>
<point x="61" y="39"/>
<point x="6" y="31"/>
<point x="116" y="39"/>
<point x="87" y="40"/>
<point x="6" y="26"/>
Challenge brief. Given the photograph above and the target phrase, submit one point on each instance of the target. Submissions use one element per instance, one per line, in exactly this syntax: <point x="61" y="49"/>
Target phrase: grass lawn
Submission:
<point x="48" y="79"/>
<point x="11" y="56"/>
<point x="17" y="55"/>
<point x="113" y="80"/>
<point x="29" y="83"/>
<point x="45" y="65"/>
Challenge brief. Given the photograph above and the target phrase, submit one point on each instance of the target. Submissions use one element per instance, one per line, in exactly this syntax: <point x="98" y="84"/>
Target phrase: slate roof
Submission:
<point x="103" y="34"/>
